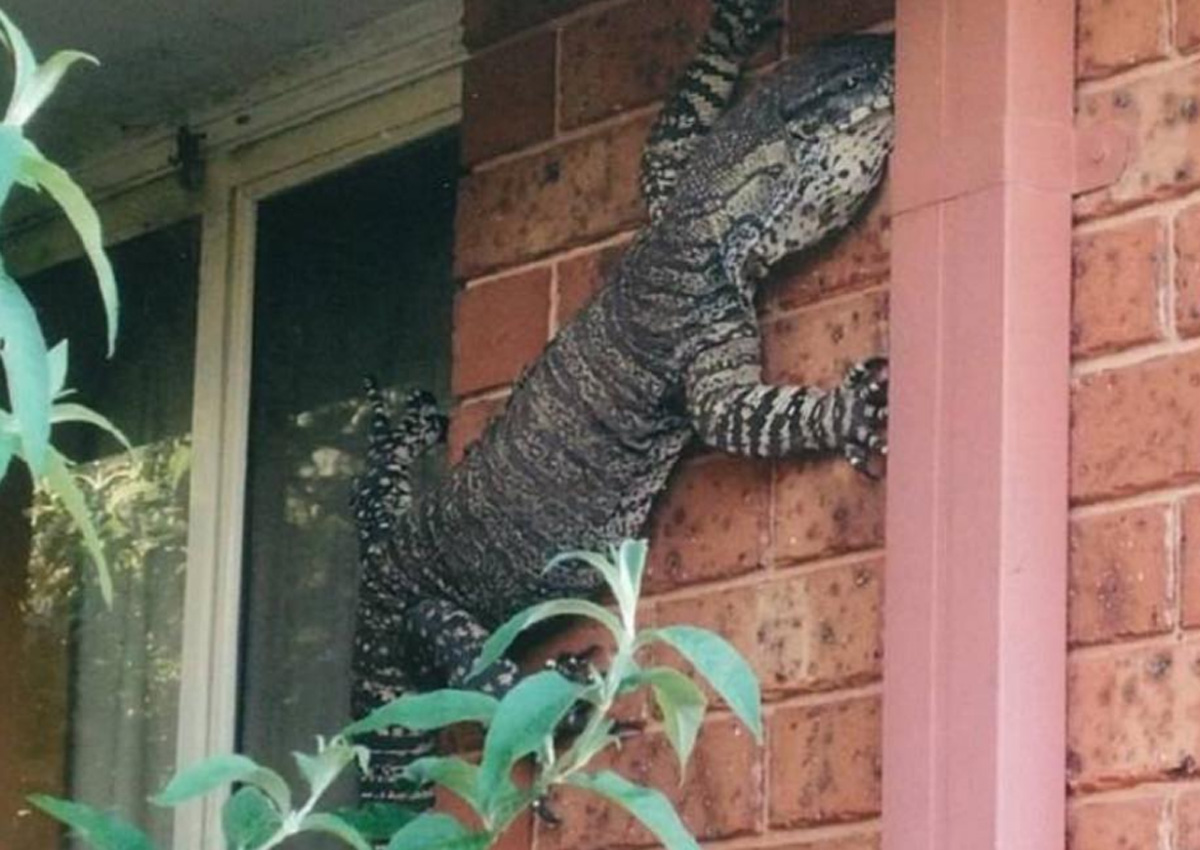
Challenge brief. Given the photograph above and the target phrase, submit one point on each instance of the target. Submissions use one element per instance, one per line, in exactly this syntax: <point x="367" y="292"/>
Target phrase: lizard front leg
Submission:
<point x="733" y="410"/>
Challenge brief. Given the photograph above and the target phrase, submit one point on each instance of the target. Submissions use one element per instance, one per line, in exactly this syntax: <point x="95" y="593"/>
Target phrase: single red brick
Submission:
<point x="810" y="21"/>
<point x="1187" y="25"/>
<point x="721" y="796"/>
<point x="1115" y="34"/>
<point x="1136" y="427"/>
<point x="1131" y="716"/>
<point x="1120" y="582"/>
<point x="821" y="630"/>
<point x="825" y="763"/>
<point x="854" y="258"/>
<point x="581" y="275"/>
<point x="825" y="509"/>
<point x="865" y="841"/>
<point x="572" y="194"/>
<point x="627" y="56"/>
<point x="1116" y="824"/>
<point x="468" y="422"/>
<point x="712" y="522"/>
<point x="1117" y="275"/>
<point x="486" y="21"/>
<point x="1161" y="114"/>
<point x="1189" y="561"/>
<point x="818" y="345"/>
<point x="1187" y="822"/>
<point x="1187" y="272"/>
<point x="499" y="327"/>
<point x="508" y="97"/>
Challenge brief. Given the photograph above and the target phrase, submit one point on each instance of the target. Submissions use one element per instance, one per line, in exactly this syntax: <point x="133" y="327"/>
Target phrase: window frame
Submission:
<point x="389" y="84"/>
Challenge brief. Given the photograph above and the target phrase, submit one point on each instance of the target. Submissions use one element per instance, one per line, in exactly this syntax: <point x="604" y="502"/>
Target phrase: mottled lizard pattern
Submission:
<point x="666" y="352"/>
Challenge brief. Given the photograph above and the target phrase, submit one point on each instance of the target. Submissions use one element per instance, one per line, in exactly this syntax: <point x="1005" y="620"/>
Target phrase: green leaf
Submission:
<point x="273" y="785"/>
<point x="335" y="826"/>
<point x="249" y="819"/>
<point x="437" y="832"/>
<point x="450" y="772"/>
<point x="24" y="62"/>
<point x="646" y="804"/>
<point x="322" y="769"/>
<point x="526" y="719"/>
<point x="27" y="369"/>
<point x="61" y="483"/>
<point x="71" y="412"/>
<point x="205" y="776"/>
<point x="422" y="712"/>
<point x="35" y="171"/>
<point x="682" y="705"/>
<point x="601" y="565"/>
<point x="101" y="830"/>
<point x="41" y="85"/>
<point x="58" y="367"/>
<point x="718" y="662"/>
<point x="631" y="560"/>
<point x="501" y="639"/>
<point x="377" y="822"/>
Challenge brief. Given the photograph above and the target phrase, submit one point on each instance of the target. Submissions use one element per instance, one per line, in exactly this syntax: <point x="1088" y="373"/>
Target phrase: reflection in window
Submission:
<point x="97" y="713"/>
<point x="353" y="277"/>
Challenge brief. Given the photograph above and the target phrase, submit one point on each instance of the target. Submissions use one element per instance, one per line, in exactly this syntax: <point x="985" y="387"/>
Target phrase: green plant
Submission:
<point x="261" y="813"/>
<point x="35" y="374"/>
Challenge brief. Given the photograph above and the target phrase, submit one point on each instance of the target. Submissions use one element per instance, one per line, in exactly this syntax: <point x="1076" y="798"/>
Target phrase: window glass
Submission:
<point x="353" y="278"/>
<point x="92" y="705"/>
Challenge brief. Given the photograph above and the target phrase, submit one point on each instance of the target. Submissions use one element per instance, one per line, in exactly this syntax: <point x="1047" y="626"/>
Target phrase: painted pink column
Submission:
<point x="975" y="646"/>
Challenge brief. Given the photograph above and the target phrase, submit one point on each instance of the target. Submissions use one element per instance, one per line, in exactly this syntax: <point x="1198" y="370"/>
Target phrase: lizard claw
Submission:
<point x="865" y="396"/>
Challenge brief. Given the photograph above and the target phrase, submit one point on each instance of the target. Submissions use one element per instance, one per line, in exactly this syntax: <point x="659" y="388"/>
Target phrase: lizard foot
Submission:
<point x="864" y="421"/>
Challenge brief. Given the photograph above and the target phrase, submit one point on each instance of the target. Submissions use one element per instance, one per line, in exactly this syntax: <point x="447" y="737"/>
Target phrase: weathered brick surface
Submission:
<point x="1116" y="825"/>
<point x="712" y="522"/>
<point x="1187" y="24"/>
<point x="866" y="841"/>
<point x="1116" y="34"/>
<point x="1161" y="113"/>
<point x="1120" y="579"/>
<point x="626" y="56"/>
<point x="580" y="276"/>
<point x="1116" y="287"/>
<point x="1189" y="561"/>
<point x="817" y="345"/>
<point x="825" y="763"/>
<point x="486" y="21"/>
<point x="568" y="195"/>
<point x="1187" y="272"/>
<point x="1187" y="821"/>
<point x="499" y="327"/>
<point x="721" y="796"/>
<point x="468" y="421"/>
<point x="810" y="21"/>
<point x="1136" y="427"/>
<point x="508" y="97"/>
<point x="859" y="257"/>
<point x="1132" y="716"/>
<point x="812" y="631"/>
<point x="825" y="508"/>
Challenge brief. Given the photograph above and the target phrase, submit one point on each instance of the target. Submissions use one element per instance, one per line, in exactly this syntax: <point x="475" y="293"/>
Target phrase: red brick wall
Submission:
<point x="785" y="559"/>
<point x="1134" y="686"/>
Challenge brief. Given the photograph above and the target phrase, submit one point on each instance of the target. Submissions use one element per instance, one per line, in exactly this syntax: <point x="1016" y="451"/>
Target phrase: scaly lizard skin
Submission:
<point x="667" y="352"/>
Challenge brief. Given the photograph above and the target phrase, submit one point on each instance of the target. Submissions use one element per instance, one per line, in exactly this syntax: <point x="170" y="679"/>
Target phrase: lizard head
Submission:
<point x="835" y="90"/>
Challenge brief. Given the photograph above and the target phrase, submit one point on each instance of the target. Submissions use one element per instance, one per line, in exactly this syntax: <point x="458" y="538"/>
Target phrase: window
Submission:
<point x="318" y="250"/>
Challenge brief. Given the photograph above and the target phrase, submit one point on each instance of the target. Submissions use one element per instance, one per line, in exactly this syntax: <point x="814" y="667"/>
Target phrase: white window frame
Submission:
<point x="375" y="90"/>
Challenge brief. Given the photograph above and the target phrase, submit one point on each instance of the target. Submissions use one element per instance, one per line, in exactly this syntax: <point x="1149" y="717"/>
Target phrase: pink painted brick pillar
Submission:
<point x="974" y="677"/>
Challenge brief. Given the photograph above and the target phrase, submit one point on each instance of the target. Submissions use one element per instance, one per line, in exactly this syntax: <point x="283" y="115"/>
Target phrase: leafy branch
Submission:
<point x="34" y="372"/>
<point x="261" y="813"/>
